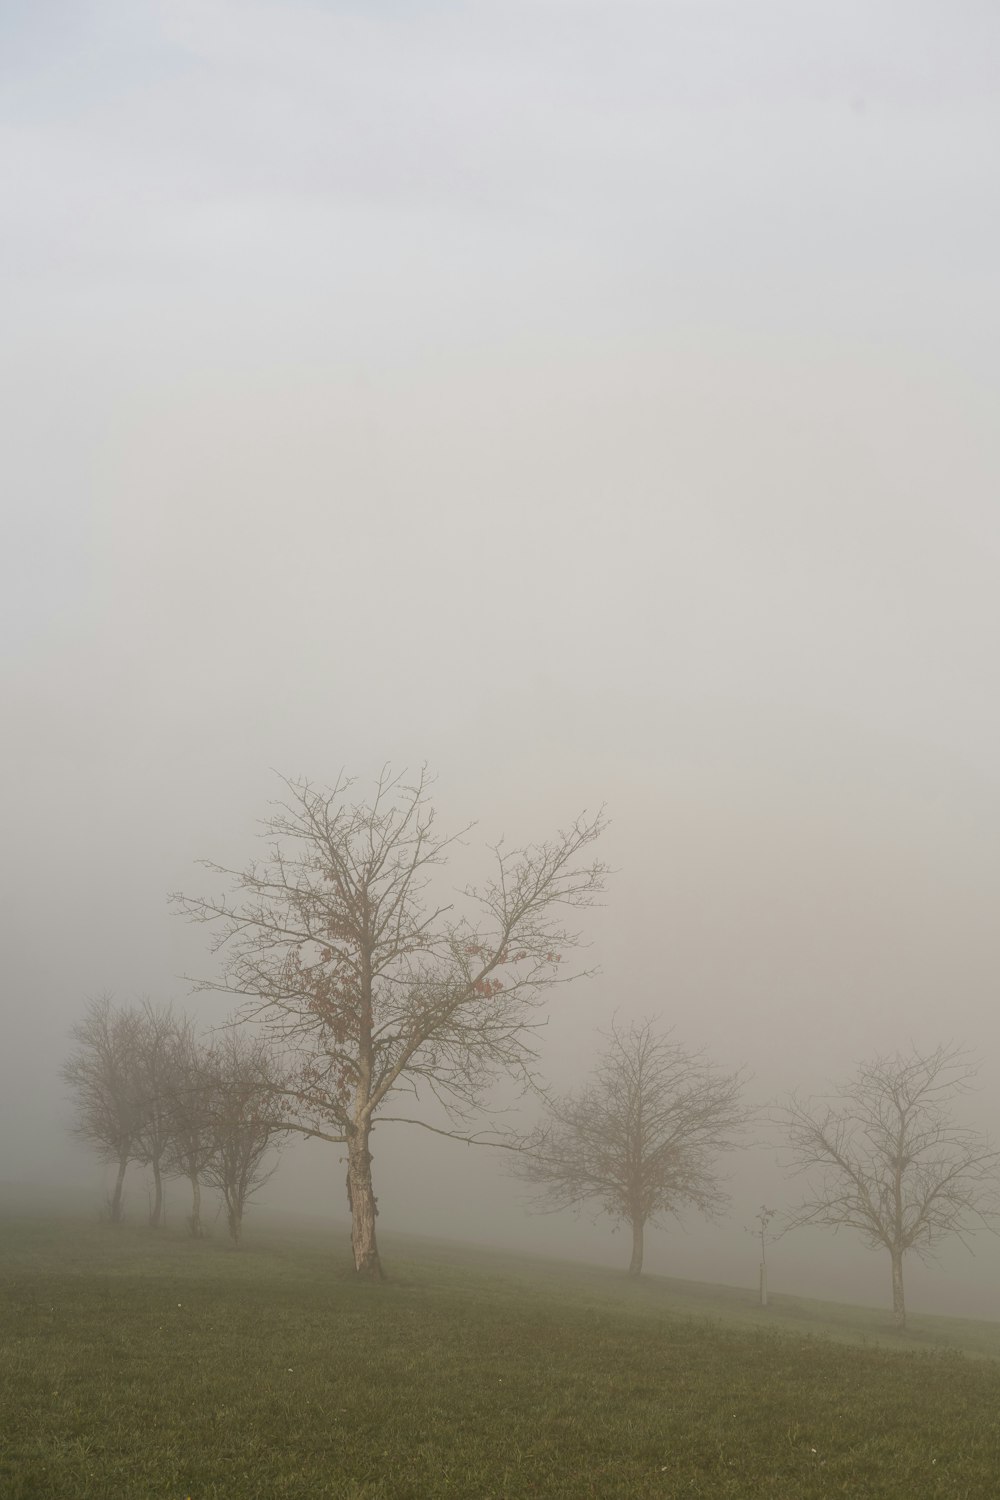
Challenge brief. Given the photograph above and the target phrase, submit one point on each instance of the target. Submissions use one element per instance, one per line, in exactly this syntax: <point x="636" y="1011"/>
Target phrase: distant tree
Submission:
<point x="244" y="1112"/>
<point x="103" y="1075"/>
<point x="642" y="1138"/>
<point x="372" y="988"/>
<point x="890" y="1161"/>
<point x="157" y="1084"/>
<point x="191" y="1135"/>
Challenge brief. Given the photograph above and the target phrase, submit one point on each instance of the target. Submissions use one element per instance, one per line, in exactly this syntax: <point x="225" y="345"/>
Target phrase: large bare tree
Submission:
<point x="889" y="1160"/>
<point x="642" y="1139"/>
<point x="372" y="985"/>
<point x="103" y="1074"/>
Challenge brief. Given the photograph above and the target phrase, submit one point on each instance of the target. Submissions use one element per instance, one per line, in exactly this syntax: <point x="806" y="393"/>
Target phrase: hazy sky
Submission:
<point x="597" y="401"/>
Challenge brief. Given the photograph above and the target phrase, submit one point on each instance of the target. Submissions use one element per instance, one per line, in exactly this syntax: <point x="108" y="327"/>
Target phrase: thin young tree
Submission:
<point x="244" y="1113"/>
<point x="102" y="1073"/>
<point x="889" y="1160"/>
<point x="369" y="985"/>
<point x="642" y="1139"/>
<point x="759" y="1229"/>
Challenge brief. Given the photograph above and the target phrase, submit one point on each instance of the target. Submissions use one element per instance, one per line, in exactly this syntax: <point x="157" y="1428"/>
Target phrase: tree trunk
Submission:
<point x="234" y="1214"/>
<point x="195" y="1206"/>
<point x="898" y="1300"/>
<point x="116" y="1196"/>
<point x="361" y="1197"/>
<point x="156" y="1212"/>
<point x="763" y="1283"/>
<point x="635" y="1265"/>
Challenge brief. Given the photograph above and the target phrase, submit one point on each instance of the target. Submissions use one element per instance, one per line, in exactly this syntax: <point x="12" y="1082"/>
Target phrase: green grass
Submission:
<point x="144" y="1366"/>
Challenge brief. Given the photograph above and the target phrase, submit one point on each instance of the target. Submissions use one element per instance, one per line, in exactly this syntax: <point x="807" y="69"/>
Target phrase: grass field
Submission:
<point x="144" y="1365"/>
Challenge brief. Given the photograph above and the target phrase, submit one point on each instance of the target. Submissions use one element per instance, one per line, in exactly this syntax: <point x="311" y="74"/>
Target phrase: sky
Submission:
<point x="595" y="401"/>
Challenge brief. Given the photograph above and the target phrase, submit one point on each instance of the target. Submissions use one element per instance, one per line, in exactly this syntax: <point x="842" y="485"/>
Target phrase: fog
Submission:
<point x="595" y="402"/>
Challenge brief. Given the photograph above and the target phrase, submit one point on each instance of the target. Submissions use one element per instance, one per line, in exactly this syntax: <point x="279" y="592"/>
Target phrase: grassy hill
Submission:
<point x="141" y="1365"/>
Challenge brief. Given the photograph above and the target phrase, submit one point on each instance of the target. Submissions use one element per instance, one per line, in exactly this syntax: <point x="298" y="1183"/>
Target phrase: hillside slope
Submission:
<point x="146" y="1366"/>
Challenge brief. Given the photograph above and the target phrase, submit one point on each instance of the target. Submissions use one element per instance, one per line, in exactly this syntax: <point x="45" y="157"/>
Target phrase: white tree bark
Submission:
<point x="361" y="1196"/>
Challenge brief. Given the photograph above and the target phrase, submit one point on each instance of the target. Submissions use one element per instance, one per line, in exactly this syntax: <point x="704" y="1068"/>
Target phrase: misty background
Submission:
<point x="594" y="400"/>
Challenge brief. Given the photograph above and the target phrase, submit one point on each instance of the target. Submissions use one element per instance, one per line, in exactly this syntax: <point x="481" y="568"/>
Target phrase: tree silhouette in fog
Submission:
<point x="642" y="1138"/>
<point x="887" y="1158"/>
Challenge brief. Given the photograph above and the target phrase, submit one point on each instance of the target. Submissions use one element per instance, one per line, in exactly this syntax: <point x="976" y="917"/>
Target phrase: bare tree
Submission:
<point x="891" y="1162"/>
<point x="102" y="1073"/>
<point x="642" y="1138"/>
<point x="372" y="987"/>
<point x="156" y="1063"/>
<point x="191" y="1135"/>
<point x="244" y="1111"/>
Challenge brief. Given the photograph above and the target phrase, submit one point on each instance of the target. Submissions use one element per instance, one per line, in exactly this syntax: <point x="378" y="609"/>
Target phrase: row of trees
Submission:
<point x="885" y="1157"/>
<point x="373" y="985"/>
<point x="149" y="1090"/>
